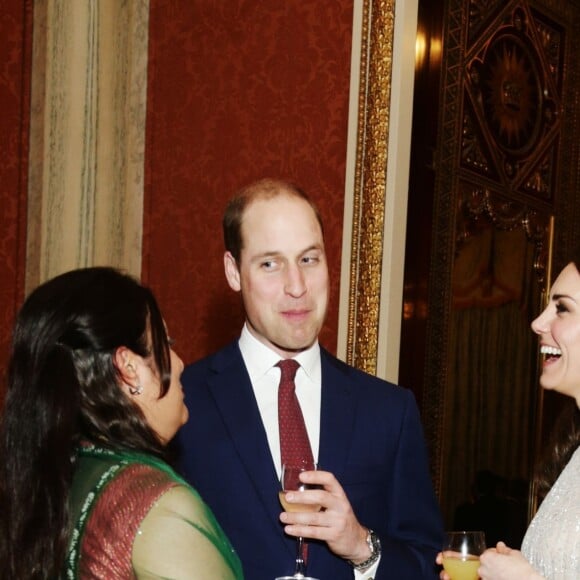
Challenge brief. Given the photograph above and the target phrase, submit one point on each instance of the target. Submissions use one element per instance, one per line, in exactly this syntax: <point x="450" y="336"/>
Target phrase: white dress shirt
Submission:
<point x="261" y="363"/>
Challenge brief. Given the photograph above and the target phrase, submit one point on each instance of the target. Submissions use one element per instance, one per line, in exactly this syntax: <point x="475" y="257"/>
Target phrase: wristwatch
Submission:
<point x="375" y="547"/>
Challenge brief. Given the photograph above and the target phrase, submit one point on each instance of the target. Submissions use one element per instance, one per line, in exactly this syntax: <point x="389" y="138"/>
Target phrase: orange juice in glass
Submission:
<point x="461" y="554"/>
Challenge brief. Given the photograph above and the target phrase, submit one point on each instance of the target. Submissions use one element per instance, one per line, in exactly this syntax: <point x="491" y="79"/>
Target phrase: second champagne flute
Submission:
<point x="290" y="481"/>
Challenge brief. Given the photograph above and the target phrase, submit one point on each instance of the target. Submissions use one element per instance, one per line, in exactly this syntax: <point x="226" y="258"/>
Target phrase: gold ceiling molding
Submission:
<point x="370" y="183"/>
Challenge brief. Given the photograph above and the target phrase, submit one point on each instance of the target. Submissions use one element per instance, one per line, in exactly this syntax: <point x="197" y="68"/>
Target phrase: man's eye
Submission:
<point x="310" y="259"/>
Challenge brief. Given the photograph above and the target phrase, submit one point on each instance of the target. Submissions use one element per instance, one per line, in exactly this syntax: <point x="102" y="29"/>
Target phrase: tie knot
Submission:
<point x="288" y="368"/>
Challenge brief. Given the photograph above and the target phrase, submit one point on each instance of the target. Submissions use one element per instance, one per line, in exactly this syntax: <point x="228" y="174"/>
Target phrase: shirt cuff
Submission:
<point x="368" y="574"/>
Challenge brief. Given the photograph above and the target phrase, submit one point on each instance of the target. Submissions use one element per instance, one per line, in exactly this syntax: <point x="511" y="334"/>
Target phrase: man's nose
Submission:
<point x="295" y="283"/>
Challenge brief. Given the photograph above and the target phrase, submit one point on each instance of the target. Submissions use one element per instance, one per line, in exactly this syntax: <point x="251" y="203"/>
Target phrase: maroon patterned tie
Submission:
<point x="294" y="443"/>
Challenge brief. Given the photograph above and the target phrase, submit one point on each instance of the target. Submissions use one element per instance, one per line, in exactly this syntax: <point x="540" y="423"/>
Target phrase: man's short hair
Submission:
<point x="265" y="188"/>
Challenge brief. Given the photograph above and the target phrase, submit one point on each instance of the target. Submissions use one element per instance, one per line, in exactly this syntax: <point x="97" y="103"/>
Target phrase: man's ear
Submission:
<point x="232" y="272"/>
<point x="125" y="361"/>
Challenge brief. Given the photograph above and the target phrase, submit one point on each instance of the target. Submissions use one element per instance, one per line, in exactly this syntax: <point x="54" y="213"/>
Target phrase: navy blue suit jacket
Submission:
<point x="370" y="438"/>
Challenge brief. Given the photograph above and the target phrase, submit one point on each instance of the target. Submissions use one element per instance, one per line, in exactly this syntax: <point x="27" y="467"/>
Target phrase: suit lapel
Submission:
<point x="231" y="388"/>
<point x="336" y="415"/>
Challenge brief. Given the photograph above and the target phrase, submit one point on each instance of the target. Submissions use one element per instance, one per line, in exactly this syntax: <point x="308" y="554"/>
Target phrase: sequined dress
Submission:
<point x="552" y="542"/>
<point x="135" y="518"/>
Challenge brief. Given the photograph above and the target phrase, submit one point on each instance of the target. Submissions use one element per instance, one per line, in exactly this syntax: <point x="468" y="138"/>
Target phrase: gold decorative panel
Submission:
<point x="370" y="183"/>
<point x="512" y="104"/>
<point x="506" y="170"/>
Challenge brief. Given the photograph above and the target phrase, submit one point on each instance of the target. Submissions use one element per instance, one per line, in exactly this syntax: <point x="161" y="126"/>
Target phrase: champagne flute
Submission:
<point x="290" y="481"/>
<point x="461" y="554"/>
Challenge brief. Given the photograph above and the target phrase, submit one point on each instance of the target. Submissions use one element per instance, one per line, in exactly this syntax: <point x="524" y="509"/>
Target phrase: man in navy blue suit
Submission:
<point x="379" y="517"/>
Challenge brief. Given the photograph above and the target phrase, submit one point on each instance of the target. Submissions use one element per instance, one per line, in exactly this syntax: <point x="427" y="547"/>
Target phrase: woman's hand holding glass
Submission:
<point x="504" y="563"/>
<point x="460" y="555"/>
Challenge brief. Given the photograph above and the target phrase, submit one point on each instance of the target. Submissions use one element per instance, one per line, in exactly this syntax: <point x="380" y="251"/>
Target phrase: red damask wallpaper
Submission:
<point x="15" y="50"/>
<point x="237" y="90"/>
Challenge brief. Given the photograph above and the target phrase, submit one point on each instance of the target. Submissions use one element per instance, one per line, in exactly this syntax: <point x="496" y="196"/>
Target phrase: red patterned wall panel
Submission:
<point x="15" y="50"/>
<point x="237" y="90"/>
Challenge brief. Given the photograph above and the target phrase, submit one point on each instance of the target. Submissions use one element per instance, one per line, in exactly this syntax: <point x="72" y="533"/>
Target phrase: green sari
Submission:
<point x="134" y="517"/>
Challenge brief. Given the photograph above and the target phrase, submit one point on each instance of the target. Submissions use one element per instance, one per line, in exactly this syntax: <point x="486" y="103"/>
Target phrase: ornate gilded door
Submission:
<point x="505" y="178"/>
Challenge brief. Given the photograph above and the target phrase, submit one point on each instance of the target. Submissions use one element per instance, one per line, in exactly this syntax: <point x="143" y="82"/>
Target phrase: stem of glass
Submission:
<point x="300" y="567"/>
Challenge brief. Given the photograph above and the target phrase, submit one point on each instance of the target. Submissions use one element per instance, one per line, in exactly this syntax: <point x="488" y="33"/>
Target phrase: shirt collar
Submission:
<point x="259" y="358"/>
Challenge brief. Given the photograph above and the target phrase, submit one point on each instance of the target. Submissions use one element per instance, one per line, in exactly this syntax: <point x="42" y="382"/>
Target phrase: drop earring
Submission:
<point x="137" y="390"/>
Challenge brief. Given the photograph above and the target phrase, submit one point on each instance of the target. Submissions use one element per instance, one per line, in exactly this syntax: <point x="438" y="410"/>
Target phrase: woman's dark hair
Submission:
<point x="564" y="441"/>
<point x="565" y="438"/>
<point x="64" y="387"/>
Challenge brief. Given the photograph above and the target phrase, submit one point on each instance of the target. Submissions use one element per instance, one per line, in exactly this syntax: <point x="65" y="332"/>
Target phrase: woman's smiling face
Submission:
<point x="558" y="327"/>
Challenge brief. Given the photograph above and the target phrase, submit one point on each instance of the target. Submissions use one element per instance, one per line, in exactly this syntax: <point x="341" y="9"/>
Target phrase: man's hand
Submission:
<point x="335" y="523"/>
